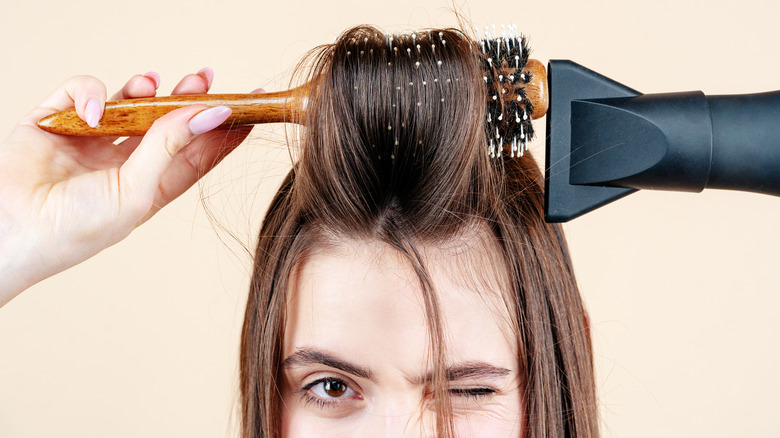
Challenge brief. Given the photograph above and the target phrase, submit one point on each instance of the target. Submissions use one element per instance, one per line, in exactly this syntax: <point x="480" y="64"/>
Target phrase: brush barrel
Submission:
<point x="678" y="141"/>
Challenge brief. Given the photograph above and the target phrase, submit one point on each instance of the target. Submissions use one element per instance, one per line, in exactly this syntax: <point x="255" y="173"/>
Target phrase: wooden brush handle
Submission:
<point x="131" y="117"/>
<point x="135" y="116"/>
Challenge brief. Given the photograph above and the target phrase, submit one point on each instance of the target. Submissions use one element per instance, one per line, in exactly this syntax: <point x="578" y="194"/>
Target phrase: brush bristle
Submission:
<point x="504" y="57"/>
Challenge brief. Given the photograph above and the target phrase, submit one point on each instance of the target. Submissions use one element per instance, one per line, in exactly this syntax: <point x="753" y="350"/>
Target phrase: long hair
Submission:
<point x="394" y="150"/>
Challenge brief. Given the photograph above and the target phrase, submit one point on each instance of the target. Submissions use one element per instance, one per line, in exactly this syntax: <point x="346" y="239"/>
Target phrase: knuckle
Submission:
<point x="170" y="145"/>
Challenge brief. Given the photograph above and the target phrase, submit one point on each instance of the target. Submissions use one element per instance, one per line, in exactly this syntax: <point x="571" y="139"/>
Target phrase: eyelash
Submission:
<point x="479" y="393"/>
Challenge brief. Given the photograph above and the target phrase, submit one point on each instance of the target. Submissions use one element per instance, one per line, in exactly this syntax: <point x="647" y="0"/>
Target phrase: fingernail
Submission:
<point x="92" y="112"/>
<point x="209" y="119"/>
<point x="258" y="91"/>
<point x="153" y="75"/>
<point x="207" y="73"/>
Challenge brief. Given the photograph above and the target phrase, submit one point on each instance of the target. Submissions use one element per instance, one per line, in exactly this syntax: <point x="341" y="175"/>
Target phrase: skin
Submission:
<point x="356" y="345"/>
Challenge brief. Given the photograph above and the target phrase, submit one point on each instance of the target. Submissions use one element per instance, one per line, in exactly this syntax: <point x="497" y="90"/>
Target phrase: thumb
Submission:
<point x="141" y="174"/>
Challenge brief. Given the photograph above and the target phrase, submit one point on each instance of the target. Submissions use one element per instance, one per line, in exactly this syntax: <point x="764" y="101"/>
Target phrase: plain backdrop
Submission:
<point x="142" y="340"/>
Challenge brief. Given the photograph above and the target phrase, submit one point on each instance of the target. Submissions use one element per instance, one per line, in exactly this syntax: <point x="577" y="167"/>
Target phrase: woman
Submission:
<point x="405" y="282"/>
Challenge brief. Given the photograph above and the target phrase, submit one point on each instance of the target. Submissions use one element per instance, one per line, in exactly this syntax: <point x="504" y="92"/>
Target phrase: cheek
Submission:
<point x="503" y="424"/>
<point x="297" y="423"/>
<point x="501" y="418"/>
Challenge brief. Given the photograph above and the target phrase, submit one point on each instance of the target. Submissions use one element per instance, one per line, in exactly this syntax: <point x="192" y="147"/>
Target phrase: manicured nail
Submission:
<point x="153" y="75"/>
<point x="92" y="112"/>
<point x="207" y="73"/>
<point x="209" y="119"/>
<point x="258" y="91"/>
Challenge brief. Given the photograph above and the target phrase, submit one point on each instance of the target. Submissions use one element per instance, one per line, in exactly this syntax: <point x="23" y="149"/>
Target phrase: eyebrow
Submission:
<point x="472" y="370"/>
<point x="461" y="371"/>
<point x="311" y="356"/>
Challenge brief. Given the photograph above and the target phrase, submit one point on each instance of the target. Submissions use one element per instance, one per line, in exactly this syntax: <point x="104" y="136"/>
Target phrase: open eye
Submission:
<point x="330" y="388"/>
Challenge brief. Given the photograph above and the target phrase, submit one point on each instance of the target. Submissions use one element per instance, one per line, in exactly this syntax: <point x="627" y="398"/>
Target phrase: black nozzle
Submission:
<point x="601" y="147"/>
<point x="567" y="82"/>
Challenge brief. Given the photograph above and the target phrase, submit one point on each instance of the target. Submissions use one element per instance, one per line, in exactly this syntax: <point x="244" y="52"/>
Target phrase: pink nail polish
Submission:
<point x="209" y="119"/>
<point x="153" y="75"/>
<point x="208" y="73"/>
<point x="92" y="112"/>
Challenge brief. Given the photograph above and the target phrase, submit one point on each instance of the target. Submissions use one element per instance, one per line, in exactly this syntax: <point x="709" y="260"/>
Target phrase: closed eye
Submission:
<point x="476" y="393"/>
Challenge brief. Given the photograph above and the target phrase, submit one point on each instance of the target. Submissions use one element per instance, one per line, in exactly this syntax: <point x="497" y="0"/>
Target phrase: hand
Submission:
<point x="64" y="199"/>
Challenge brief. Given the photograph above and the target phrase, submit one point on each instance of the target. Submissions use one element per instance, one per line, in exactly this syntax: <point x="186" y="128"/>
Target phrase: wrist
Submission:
<point x="17" y="268"/>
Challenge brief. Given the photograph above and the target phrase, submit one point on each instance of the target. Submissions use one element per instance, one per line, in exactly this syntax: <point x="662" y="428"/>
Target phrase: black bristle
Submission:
<point x="503" y="61"/>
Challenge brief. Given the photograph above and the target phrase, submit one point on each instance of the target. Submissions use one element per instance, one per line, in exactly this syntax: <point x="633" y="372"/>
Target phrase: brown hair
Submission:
<point x="394" y="150"/>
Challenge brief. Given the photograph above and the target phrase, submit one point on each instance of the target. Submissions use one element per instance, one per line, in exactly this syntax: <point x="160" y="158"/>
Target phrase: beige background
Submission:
<point x="142" y="339"/>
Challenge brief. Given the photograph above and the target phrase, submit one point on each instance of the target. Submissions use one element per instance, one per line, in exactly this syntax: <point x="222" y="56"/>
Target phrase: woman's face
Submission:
<point x="356" y="345"/>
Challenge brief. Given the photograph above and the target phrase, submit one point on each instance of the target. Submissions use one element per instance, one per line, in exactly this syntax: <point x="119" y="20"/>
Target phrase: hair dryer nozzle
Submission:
<point x="567" y="82"/>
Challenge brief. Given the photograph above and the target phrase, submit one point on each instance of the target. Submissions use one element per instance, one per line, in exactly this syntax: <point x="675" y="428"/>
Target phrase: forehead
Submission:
<point x="364" y="300"/>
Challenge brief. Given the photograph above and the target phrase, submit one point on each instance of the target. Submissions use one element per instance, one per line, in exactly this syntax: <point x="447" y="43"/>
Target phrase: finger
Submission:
<point x="141" y="174"/>
<point x="139" y="86"/>
<point x="195" y="161"/>
<point x="86" y="93"/>
<point x="198" y="83"/>
<point x="191" y="84"/>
